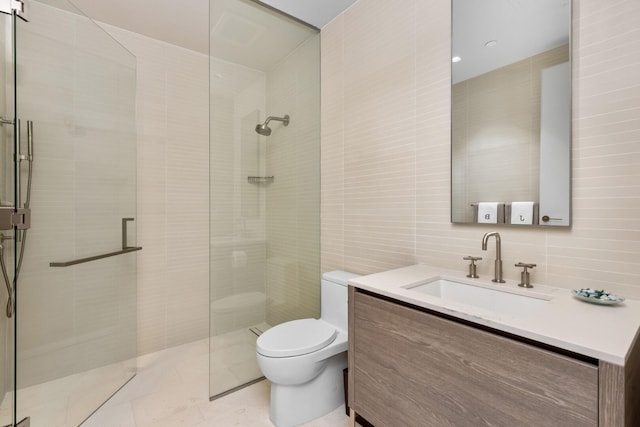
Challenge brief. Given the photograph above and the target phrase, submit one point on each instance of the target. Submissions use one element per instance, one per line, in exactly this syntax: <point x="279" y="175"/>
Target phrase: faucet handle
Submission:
<point x="525" y="265"/>
<point x="472" y="265"/>
<point x="524" y="275"/>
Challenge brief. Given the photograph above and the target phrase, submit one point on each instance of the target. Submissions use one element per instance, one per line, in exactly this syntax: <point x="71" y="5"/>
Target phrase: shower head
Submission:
<point x="265" y="130"/>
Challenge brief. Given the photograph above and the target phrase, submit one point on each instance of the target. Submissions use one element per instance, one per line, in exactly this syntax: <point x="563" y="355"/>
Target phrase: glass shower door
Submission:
<point x="74" y="327"/>
<point x="265" y="189"/>
<point x="7" y="318"/>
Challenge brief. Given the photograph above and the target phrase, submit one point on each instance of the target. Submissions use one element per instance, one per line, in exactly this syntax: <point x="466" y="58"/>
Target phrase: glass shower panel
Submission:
<point x="76" y="321"/>
<point x="7" y="108"/>
<point x="265" y="190"/>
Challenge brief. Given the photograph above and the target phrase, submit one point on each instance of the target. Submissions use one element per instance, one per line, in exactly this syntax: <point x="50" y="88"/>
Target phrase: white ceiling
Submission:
<point x="315" y="12"/>
<point x="183" y="23"/>
<point x="186" y="22"/>
<point x="256" y="37"/>
<point x="521" y="28"/>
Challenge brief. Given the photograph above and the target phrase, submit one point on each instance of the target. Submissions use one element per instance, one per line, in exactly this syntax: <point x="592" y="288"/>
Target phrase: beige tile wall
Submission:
<point x="237" y="151"/>
<point x="173" y="187"/>
<point x="385" y="149"/>
<point x="173" y="192"/>
<point x="237" y="269"/>
<point x="293" y="202"/>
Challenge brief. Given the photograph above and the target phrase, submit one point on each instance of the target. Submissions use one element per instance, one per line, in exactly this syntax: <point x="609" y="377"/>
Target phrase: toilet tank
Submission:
<point x="334" y="296"/>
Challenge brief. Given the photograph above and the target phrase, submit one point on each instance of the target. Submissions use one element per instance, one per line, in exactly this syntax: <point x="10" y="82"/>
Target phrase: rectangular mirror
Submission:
<point x="511" y="112"/>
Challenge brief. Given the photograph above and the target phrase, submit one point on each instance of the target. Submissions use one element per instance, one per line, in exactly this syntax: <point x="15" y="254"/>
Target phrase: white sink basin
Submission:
<point x="496" y="300"/>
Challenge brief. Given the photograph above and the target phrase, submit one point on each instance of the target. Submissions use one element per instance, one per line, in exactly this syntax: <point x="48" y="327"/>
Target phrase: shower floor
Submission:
<point x="63" y="402"/>
<point x="233" y="359"/>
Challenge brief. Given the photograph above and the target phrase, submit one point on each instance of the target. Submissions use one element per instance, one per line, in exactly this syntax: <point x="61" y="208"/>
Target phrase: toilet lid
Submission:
<point x="295" y="338"/>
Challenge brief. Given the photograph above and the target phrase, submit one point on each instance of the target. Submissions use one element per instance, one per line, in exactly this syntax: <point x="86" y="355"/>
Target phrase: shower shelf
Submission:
<point x="260" y="179"/>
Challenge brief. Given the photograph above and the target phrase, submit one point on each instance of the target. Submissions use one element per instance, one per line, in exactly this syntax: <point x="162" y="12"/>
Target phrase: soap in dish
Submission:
<point x="597" y="296"/>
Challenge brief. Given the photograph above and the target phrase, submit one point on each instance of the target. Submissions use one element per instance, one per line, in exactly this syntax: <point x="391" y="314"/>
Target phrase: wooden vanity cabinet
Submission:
<point x="411" y="367"/>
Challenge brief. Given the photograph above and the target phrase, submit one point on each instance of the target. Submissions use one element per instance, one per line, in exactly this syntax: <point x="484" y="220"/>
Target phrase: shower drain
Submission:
<point x="255" y="331"/>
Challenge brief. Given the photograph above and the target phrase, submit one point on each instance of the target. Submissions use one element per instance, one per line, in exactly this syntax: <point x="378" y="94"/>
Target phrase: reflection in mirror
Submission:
<point x="511" y="112"/>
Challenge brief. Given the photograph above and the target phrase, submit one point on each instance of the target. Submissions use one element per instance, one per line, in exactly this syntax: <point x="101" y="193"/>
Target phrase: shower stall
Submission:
<point x="264" y="182"/>
<point x="68" y="324"/>
<point x="67" y="214"/>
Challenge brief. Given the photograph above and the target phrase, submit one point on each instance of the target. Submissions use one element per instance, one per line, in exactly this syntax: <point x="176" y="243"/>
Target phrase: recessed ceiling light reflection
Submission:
<point x="456" y="59"/>
<point x="491" y="43"/>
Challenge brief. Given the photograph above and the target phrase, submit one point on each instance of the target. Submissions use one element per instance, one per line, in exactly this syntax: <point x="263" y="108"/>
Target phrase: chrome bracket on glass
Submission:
<point x="19" y="6"/>
<point x="19" y="218"/>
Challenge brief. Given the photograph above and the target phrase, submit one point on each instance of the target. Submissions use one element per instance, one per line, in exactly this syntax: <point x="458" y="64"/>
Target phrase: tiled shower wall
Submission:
<point x="293" y="202"/>
<point x="237" y="284"/>
<point x="173" y="192"/>
<point x="386" y="156"/>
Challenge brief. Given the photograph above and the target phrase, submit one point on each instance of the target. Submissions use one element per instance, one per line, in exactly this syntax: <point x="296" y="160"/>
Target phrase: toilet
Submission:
<point x="304" y="359"/>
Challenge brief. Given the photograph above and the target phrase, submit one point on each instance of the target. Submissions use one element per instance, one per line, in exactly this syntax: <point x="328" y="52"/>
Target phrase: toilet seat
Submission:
<point x="296" y="338"/>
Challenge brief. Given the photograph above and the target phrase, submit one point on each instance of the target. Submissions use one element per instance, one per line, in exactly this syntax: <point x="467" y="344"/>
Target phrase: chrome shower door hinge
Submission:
<point x="19" y="218"/>
<point x="19" y="6"/>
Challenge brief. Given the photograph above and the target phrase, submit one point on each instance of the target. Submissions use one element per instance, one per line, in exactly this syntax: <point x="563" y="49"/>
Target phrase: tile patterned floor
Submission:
<point x="171" y="389"/>
<point x="233" y="359"/>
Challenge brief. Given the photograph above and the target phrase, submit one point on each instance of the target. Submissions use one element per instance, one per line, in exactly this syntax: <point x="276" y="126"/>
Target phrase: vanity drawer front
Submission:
<point x="413" y="368"/>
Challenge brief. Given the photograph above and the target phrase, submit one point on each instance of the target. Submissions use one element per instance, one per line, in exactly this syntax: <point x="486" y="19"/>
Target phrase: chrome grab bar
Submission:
<point x="96" y="257"/>
<point x="125" y="250"/>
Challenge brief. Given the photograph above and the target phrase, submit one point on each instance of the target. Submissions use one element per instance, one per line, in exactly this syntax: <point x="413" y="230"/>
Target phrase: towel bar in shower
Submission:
<point x="96" y="257"/>
<point x="125" y="250"/>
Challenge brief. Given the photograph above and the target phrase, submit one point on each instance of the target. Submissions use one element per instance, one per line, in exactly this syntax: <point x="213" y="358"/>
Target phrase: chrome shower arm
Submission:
<point x="284" y="120"/>
<point x="264" y="130"/>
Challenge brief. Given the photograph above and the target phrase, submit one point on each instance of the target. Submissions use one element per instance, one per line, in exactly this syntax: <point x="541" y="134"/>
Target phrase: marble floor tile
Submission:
<point x="171" y="389"/>
<point x="120" y="415"/>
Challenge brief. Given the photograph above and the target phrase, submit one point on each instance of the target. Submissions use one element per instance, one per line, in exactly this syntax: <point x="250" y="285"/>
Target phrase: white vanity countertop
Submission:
<point x="605" y="332"/>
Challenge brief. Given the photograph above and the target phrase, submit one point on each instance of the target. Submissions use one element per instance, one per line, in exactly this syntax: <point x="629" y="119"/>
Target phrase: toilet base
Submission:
<point x="292" y="405"/>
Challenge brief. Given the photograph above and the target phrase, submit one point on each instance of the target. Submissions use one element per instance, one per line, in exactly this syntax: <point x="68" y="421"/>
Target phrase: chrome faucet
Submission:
<point x="497" y="275"/>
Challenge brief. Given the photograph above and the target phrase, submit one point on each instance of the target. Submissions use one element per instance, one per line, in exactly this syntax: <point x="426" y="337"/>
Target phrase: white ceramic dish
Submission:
<point x="597" y="296"/>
